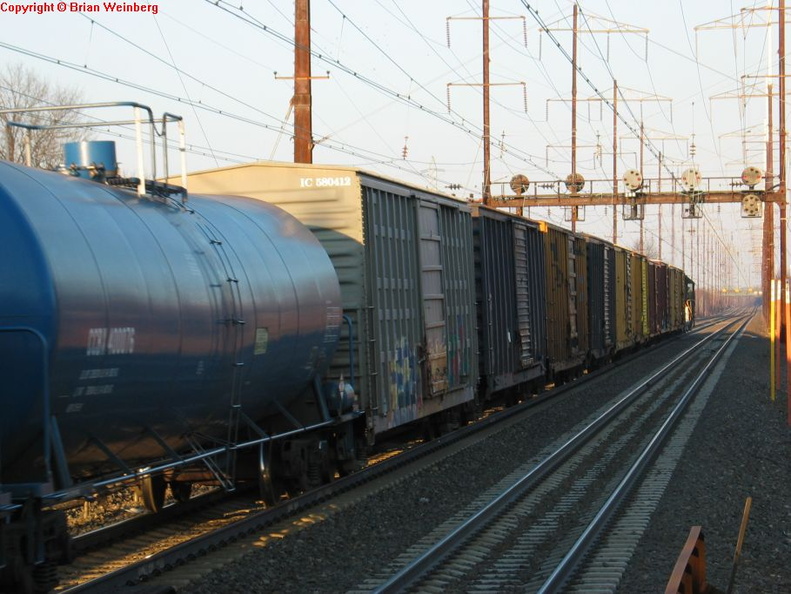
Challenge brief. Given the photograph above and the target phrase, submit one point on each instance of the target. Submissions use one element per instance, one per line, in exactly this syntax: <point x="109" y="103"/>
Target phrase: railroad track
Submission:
<point x="131" y="560"/>
<point x="140" y="549"/>
<point x="553" y="527"/>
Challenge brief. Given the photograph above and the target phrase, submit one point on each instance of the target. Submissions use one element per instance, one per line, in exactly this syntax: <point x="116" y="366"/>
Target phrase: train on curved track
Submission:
<point x="271" y="324"/>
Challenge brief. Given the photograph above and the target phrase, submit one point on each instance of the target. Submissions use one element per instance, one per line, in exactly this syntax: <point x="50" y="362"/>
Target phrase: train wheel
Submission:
<point x="152" y="490"/>
<point x="266" y="484"/>
<point x="181" y="491"/>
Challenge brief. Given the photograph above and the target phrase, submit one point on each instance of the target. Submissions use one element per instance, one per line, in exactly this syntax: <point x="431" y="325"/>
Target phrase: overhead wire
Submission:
<point x="192" y="148"/>
<point x="462" y="123"/>
<point x="339" y="147"/>
<point x="184" y="88"/>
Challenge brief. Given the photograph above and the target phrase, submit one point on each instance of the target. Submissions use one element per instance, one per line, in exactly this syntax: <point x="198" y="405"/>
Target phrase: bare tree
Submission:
<point x="650" y="248"/>
<point x="22" y="87"/>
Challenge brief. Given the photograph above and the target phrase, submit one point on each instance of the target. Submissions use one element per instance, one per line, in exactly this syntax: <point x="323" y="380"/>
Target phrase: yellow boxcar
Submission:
<point x="624" y="333"/>
<point x="565" y="286"/>
<point x="676" y="298"/>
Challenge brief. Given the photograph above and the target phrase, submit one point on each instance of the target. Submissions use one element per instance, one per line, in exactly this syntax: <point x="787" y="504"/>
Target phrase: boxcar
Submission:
<point x="676" y="298"/>
<point x="565" y="290"/>
<point x="639" y="289"/>
<point x="404" y="257"/>
<point x="579" y="273"/>
<point x="661" y="299"/>
<point x="601" y="298"/>
<point x="624" y="301"/>
<point x="509" y="270"/>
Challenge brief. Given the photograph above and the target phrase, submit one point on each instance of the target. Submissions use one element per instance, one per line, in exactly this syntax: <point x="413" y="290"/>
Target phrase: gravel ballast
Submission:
<point x="741" y="448"/>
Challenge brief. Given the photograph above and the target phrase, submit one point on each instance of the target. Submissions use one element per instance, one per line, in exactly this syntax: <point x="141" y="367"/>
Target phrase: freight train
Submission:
<point x="269" y="325"/>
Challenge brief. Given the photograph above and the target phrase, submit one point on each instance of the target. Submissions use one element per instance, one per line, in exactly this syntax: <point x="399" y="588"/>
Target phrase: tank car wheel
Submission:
<point x="181" y="491"/>
<point x="270" y="493"/>
<point x="348" y="466"/>
<point x="152" y="490"/>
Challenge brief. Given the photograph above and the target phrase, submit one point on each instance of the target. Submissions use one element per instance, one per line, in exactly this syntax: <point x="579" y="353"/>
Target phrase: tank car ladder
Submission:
<point x="233" y="318"/>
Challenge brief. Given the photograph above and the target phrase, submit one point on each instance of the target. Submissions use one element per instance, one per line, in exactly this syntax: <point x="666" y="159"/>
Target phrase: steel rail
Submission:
<point x="582" y="546"/>
<point x="137" y="572"/>
<point x="422" y="564"/>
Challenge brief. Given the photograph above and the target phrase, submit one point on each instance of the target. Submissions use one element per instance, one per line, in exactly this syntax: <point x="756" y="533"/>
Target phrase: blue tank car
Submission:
<point x="136" y="329"/>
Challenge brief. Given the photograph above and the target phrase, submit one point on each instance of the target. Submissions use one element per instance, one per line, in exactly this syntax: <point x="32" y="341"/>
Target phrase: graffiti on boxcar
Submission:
<point x="437" y="358"/>
<point x="404" y="377"/>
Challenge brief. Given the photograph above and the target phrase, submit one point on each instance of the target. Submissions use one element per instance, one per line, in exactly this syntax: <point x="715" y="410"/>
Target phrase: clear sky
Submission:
<point x="402" y="95"/>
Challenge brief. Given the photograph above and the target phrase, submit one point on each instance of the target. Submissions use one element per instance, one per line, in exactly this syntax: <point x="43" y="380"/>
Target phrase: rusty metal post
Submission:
<point x="772" y="340"/>
<point x="787" y="288"/>
<point x="748" y="503"/>
<point x="778" y="329"/>
<point x="303" y="126"/>
<point x="689" y="572"/>
<point x="768" y="243"/>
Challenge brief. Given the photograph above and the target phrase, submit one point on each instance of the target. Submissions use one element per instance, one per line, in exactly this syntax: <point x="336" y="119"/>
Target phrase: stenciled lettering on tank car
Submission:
<point x="110" y="341"/>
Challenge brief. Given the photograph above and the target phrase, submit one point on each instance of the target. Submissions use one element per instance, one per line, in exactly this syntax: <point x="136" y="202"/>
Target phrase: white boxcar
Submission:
<point x="404" y="257"/>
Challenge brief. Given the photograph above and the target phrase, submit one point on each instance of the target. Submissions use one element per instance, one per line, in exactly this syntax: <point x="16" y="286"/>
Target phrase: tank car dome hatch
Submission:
<point x="690" y="179"/>
<point x="751" y="176"/>
<point x="575" y="182"/>
<point x="633" y="179"/>
<point x="90" y="159"/>
<point x="519" y="184"/>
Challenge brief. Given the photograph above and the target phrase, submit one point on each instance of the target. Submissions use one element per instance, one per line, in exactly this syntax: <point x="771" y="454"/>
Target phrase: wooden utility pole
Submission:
<point x="574" y="209"/>
<point x="642" y="169"/>
<point x="778" y="193"/>
<point x="487" y="165"/>
<point x="575" y="182"/>
<point x="486" y="190"/>
<point x="302" y="101"/>
<point x="615" y="161"/>
<point x="659" y="189"/>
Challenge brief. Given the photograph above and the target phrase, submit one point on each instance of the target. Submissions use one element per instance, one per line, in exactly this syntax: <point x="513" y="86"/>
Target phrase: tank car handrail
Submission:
<point x="166" y="117"/>
<point x="349" y="322"/>
<point x="48" y="442"/>
<point x="132" y="104"/>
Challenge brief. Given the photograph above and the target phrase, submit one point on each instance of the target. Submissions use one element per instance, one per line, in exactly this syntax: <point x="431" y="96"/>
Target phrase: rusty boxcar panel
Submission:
<point x="561" y="296"/>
